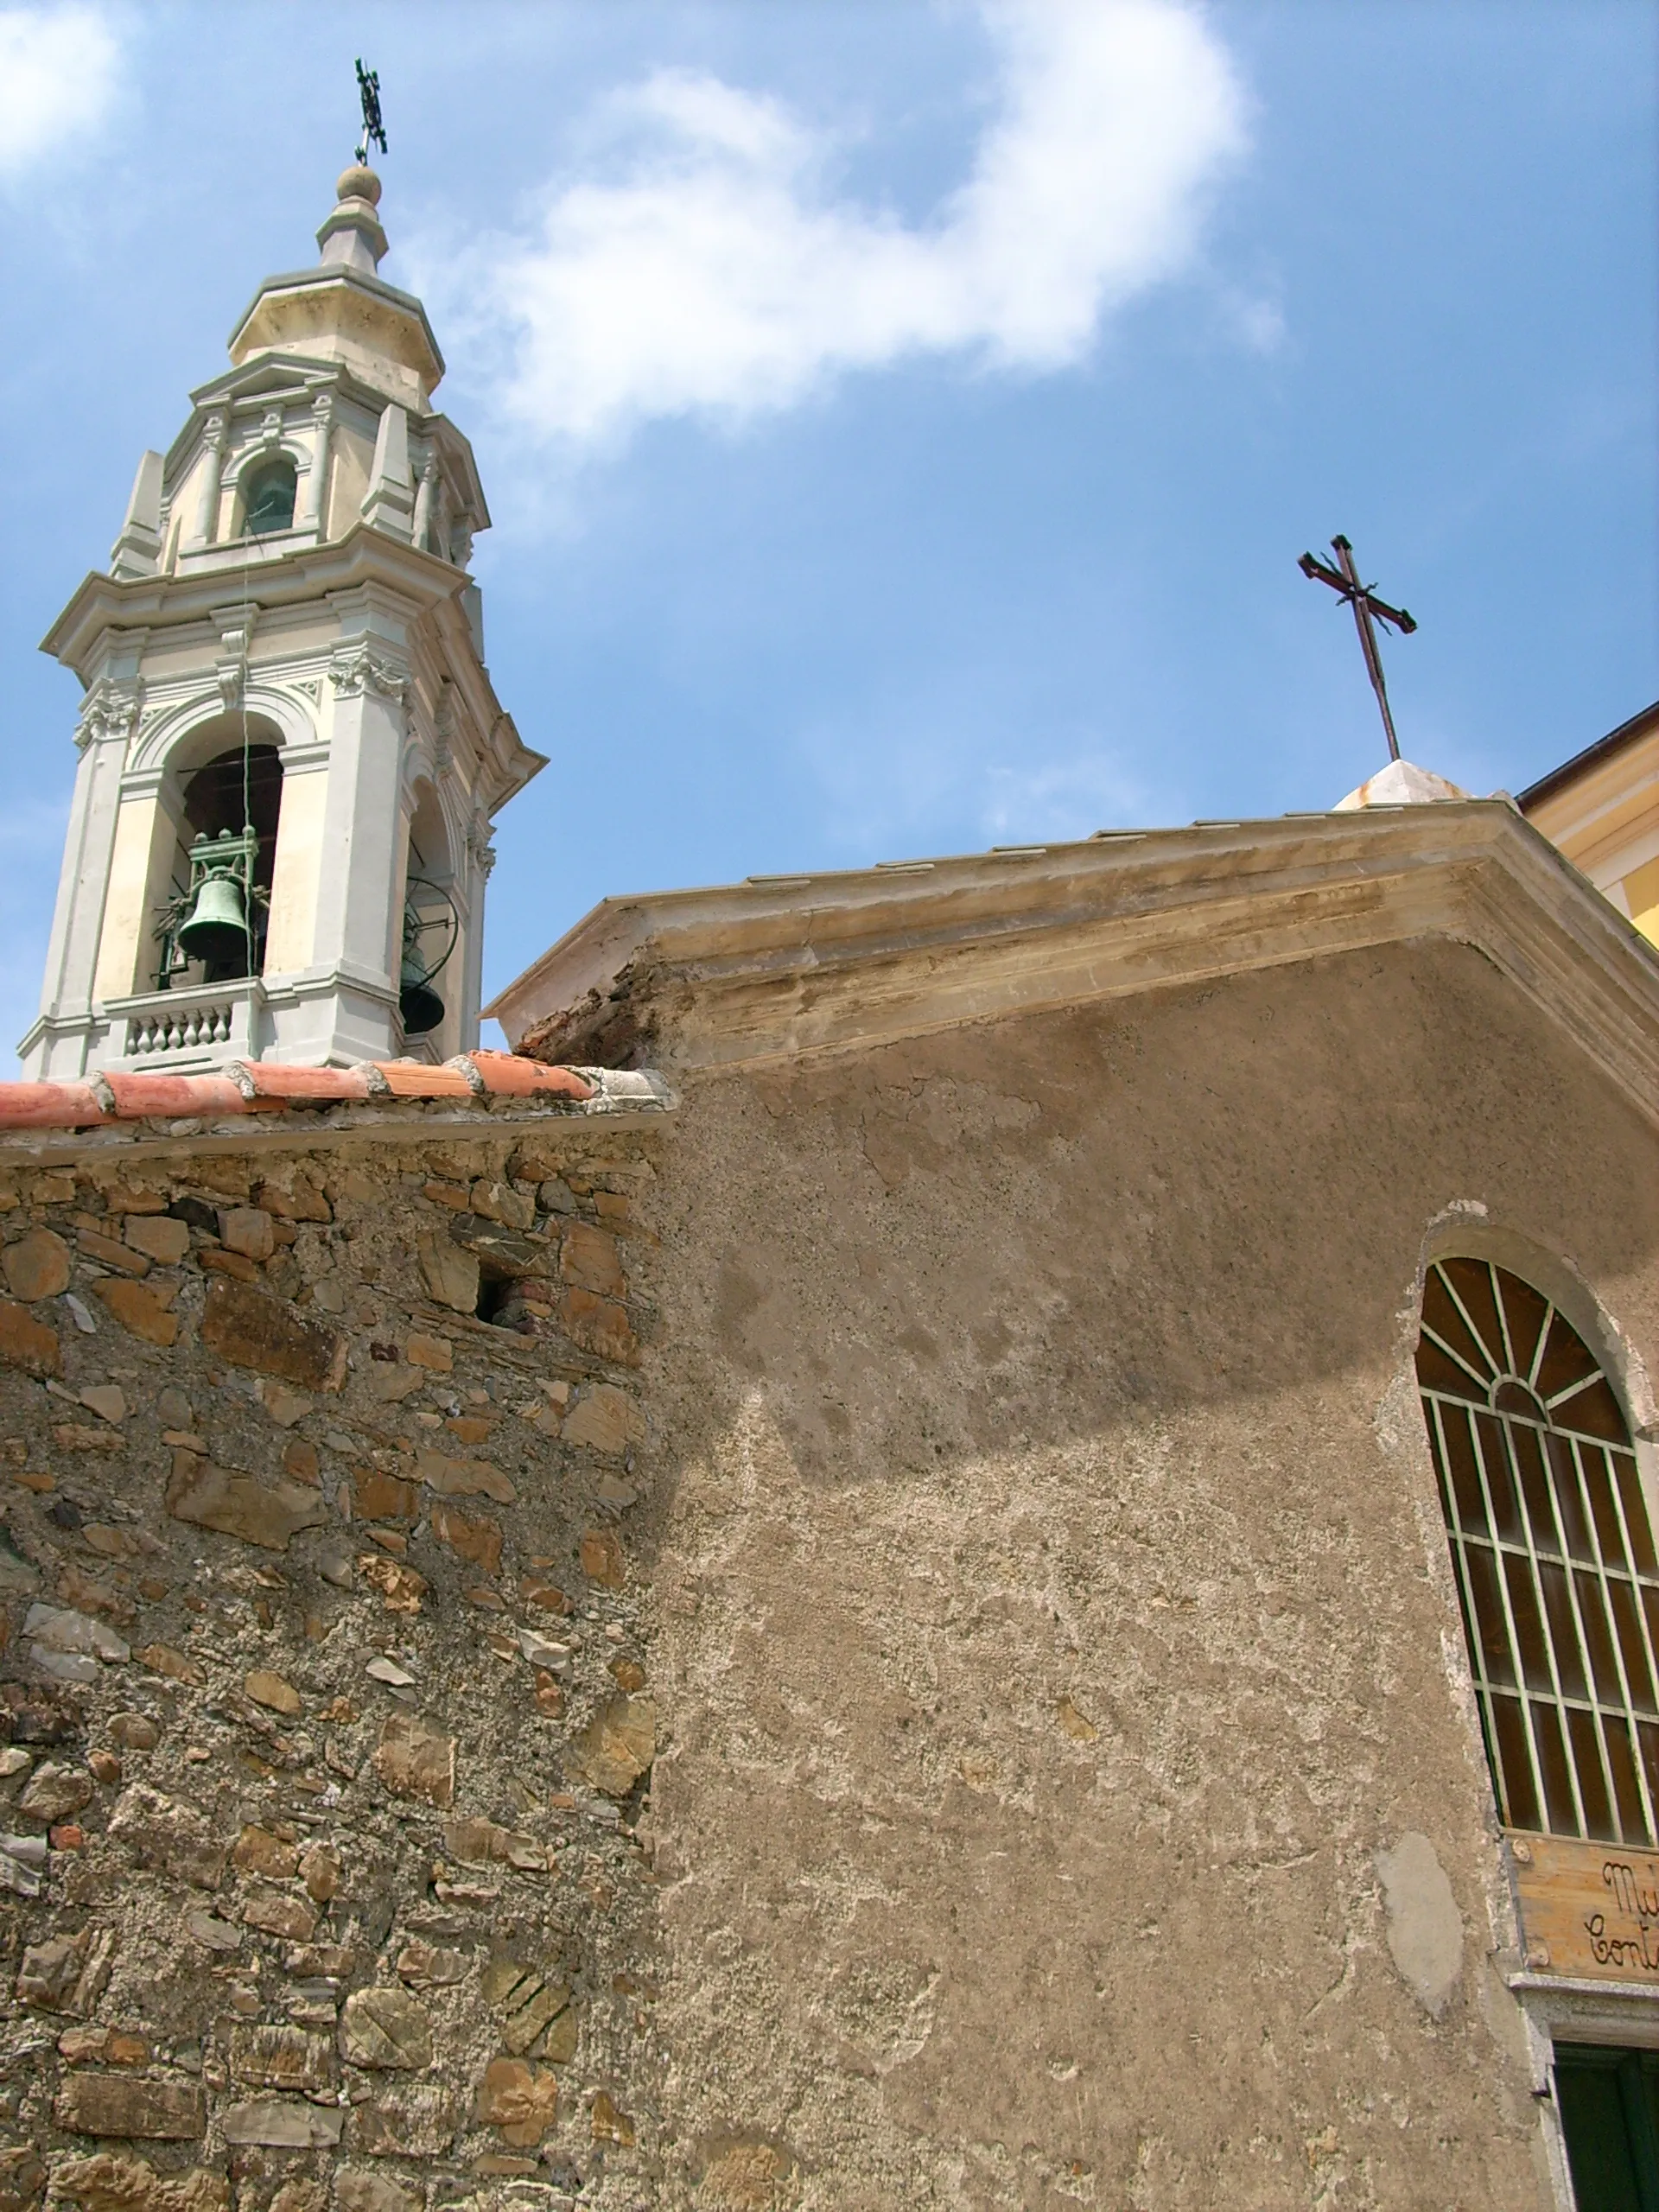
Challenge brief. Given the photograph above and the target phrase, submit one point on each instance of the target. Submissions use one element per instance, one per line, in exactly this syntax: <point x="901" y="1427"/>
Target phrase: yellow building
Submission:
<point x="1601" y="808"/>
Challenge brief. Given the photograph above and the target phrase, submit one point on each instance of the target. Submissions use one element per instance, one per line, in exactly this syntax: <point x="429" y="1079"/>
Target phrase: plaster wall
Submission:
<point x="184" y="498"/>
<point x="1071" y="1792"/>
<point x="292" y="932"/>
<point x="348" y="479"/>
<point x="126" y="938"/>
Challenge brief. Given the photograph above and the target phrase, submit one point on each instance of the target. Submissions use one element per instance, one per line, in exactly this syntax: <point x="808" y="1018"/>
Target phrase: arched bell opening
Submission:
<point x="268" y="493"/>
<point x="212" y="929"/>
<point x="431" y="924"/>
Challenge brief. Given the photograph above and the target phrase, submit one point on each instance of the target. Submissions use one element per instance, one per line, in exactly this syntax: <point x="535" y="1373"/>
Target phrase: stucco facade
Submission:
<point x="1052" y="1600"/>
<point x="1601" y="808"/>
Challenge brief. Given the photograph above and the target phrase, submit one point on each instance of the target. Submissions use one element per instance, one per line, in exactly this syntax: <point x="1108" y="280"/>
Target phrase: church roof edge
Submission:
<point x="783" y="968"/>
<point x="1557" y="779"/>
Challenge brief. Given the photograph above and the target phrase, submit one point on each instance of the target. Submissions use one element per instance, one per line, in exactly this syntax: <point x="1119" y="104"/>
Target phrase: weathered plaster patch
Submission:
<point x="1425" y="1927"/>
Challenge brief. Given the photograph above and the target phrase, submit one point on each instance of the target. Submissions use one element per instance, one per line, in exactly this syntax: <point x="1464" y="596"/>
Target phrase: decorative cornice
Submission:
<point x="810" y="964"/>
<point x="364" y="570"/>
<point x="363" y="559"/>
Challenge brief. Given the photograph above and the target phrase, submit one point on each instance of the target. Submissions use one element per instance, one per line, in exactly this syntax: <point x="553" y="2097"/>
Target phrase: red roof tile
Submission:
<point x="272" y="1087"/>
<point x="140" y="1097"/>
<point x="408" y="1079"/>
<point x="285" y="1085"/>
<point x="49" y="1106"/>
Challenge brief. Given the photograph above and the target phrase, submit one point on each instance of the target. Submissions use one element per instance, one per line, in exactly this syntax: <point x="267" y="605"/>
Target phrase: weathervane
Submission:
<point x="374" y="131"/>
<point x="1369" y="610"/>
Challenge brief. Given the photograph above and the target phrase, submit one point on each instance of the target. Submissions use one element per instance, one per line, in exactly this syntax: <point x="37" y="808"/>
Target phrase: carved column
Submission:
<point x="108" y="719"/>
<point x="358" y="930"/>
<point x="316" y="484"/>
<point x="480" y="855"/>
<point x="207" y="503"/>
<point x="424" y="498"/>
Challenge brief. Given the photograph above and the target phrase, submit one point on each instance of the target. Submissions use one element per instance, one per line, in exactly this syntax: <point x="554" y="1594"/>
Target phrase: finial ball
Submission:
<point x="359" y="182"/>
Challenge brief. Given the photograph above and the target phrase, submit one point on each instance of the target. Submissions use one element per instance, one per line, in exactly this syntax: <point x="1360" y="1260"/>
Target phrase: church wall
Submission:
<point x="1071" y="1793"/>
<point x="325" y="1718"/>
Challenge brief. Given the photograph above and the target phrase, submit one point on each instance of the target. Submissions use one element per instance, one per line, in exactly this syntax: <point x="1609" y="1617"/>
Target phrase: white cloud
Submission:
<point x="1062" y="798"/>
<point x="713" y="272"/>
<point x="57" y="81"/>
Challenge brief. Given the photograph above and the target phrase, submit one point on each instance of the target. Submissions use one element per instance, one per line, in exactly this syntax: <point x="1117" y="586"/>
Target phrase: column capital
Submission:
<point x="109" y="712"/>
<point x="358" y="667"/>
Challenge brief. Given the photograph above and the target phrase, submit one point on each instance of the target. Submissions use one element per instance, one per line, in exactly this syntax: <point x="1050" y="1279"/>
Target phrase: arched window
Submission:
<point x="430" y="922"/>
<point x="229" y="795"/>
<point x="268" y="498"/>
<point x="1552" y="1551"/>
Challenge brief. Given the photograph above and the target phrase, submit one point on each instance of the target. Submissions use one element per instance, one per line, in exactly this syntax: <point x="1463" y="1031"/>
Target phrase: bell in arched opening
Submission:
<point x="269" y="499"/>
<point x="430" y="928"/>
<point x="215" y="924"/>
<point x="216" y="918"/>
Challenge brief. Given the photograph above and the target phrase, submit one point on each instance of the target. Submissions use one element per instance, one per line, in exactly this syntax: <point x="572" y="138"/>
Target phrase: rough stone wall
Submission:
<point x="1071" y="1799"/>
<point x="325" y="1725"/>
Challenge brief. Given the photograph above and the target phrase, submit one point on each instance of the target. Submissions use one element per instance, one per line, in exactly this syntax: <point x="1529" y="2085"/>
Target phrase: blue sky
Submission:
<point x="901" y="422"/>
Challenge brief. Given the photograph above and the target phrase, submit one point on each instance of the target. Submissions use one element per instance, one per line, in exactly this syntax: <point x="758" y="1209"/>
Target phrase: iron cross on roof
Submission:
<point x="1369" y="610"/>
<point x="368" y="92"/>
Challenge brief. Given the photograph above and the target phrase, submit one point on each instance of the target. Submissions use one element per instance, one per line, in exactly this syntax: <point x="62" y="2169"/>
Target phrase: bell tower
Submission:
<point x="291" y="753"/>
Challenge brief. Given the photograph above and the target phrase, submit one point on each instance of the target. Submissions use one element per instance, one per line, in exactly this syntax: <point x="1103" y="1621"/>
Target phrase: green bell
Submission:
<point x="217" y="929"/>
<point x="418" y="1003"/>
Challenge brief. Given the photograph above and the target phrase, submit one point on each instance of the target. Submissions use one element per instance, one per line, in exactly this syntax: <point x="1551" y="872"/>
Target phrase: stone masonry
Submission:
<point x="326" y="1726"/>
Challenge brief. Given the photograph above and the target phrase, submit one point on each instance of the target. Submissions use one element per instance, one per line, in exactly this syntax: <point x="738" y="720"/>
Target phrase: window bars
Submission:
<point x="1553" y="1554"/>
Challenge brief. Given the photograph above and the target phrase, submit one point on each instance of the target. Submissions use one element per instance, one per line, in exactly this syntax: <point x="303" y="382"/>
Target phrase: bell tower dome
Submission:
<point x="291" y="753"/>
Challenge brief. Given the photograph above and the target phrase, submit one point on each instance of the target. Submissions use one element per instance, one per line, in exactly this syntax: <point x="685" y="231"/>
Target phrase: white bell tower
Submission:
<point x="291" y="753"/>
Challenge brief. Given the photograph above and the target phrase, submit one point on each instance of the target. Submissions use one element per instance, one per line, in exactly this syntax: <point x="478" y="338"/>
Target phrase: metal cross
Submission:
<point x="368" y="92"/>
<point x="1369" y="610"/>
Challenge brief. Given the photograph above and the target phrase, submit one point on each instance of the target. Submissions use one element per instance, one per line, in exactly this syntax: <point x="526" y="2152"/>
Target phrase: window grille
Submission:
<point x="1552" y="1551"/>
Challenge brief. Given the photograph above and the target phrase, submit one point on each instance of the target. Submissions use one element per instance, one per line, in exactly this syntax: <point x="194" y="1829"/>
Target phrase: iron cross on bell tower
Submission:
<point x="368" y="94"/>
<point x="1369" y="610"/>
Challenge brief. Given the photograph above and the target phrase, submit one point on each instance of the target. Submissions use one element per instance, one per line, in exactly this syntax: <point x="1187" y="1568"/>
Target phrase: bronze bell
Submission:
<point x="418" y="1003"/>
<point x="421" y="1007"/>
<point x="217" y="928"/>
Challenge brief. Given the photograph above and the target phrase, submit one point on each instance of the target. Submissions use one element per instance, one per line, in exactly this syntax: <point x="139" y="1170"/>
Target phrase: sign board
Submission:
<point x="1587" y="1908"/>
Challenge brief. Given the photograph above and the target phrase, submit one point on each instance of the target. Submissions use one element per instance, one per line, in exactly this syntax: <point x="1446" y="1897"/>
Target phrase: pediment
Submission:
<point x="778" y="968"/>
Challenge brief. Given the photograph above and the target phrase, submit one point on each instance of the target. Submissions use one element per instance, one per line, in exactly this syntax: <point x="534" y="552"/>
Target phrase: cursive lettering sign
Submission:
<point x="1587" y="1910"/>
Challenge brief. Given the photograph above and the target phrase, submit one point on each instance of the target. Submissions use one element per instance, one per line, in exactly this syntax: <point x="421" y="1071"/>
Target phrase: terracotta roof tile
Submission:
<point x="49" y="1106"/>
<point x="505" y="1075"/>
<point x="284" y="1085"/>
<point x="409" y="1079"/>
<point x="141" y="1097"/>
<point x="273" y="1087"/>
